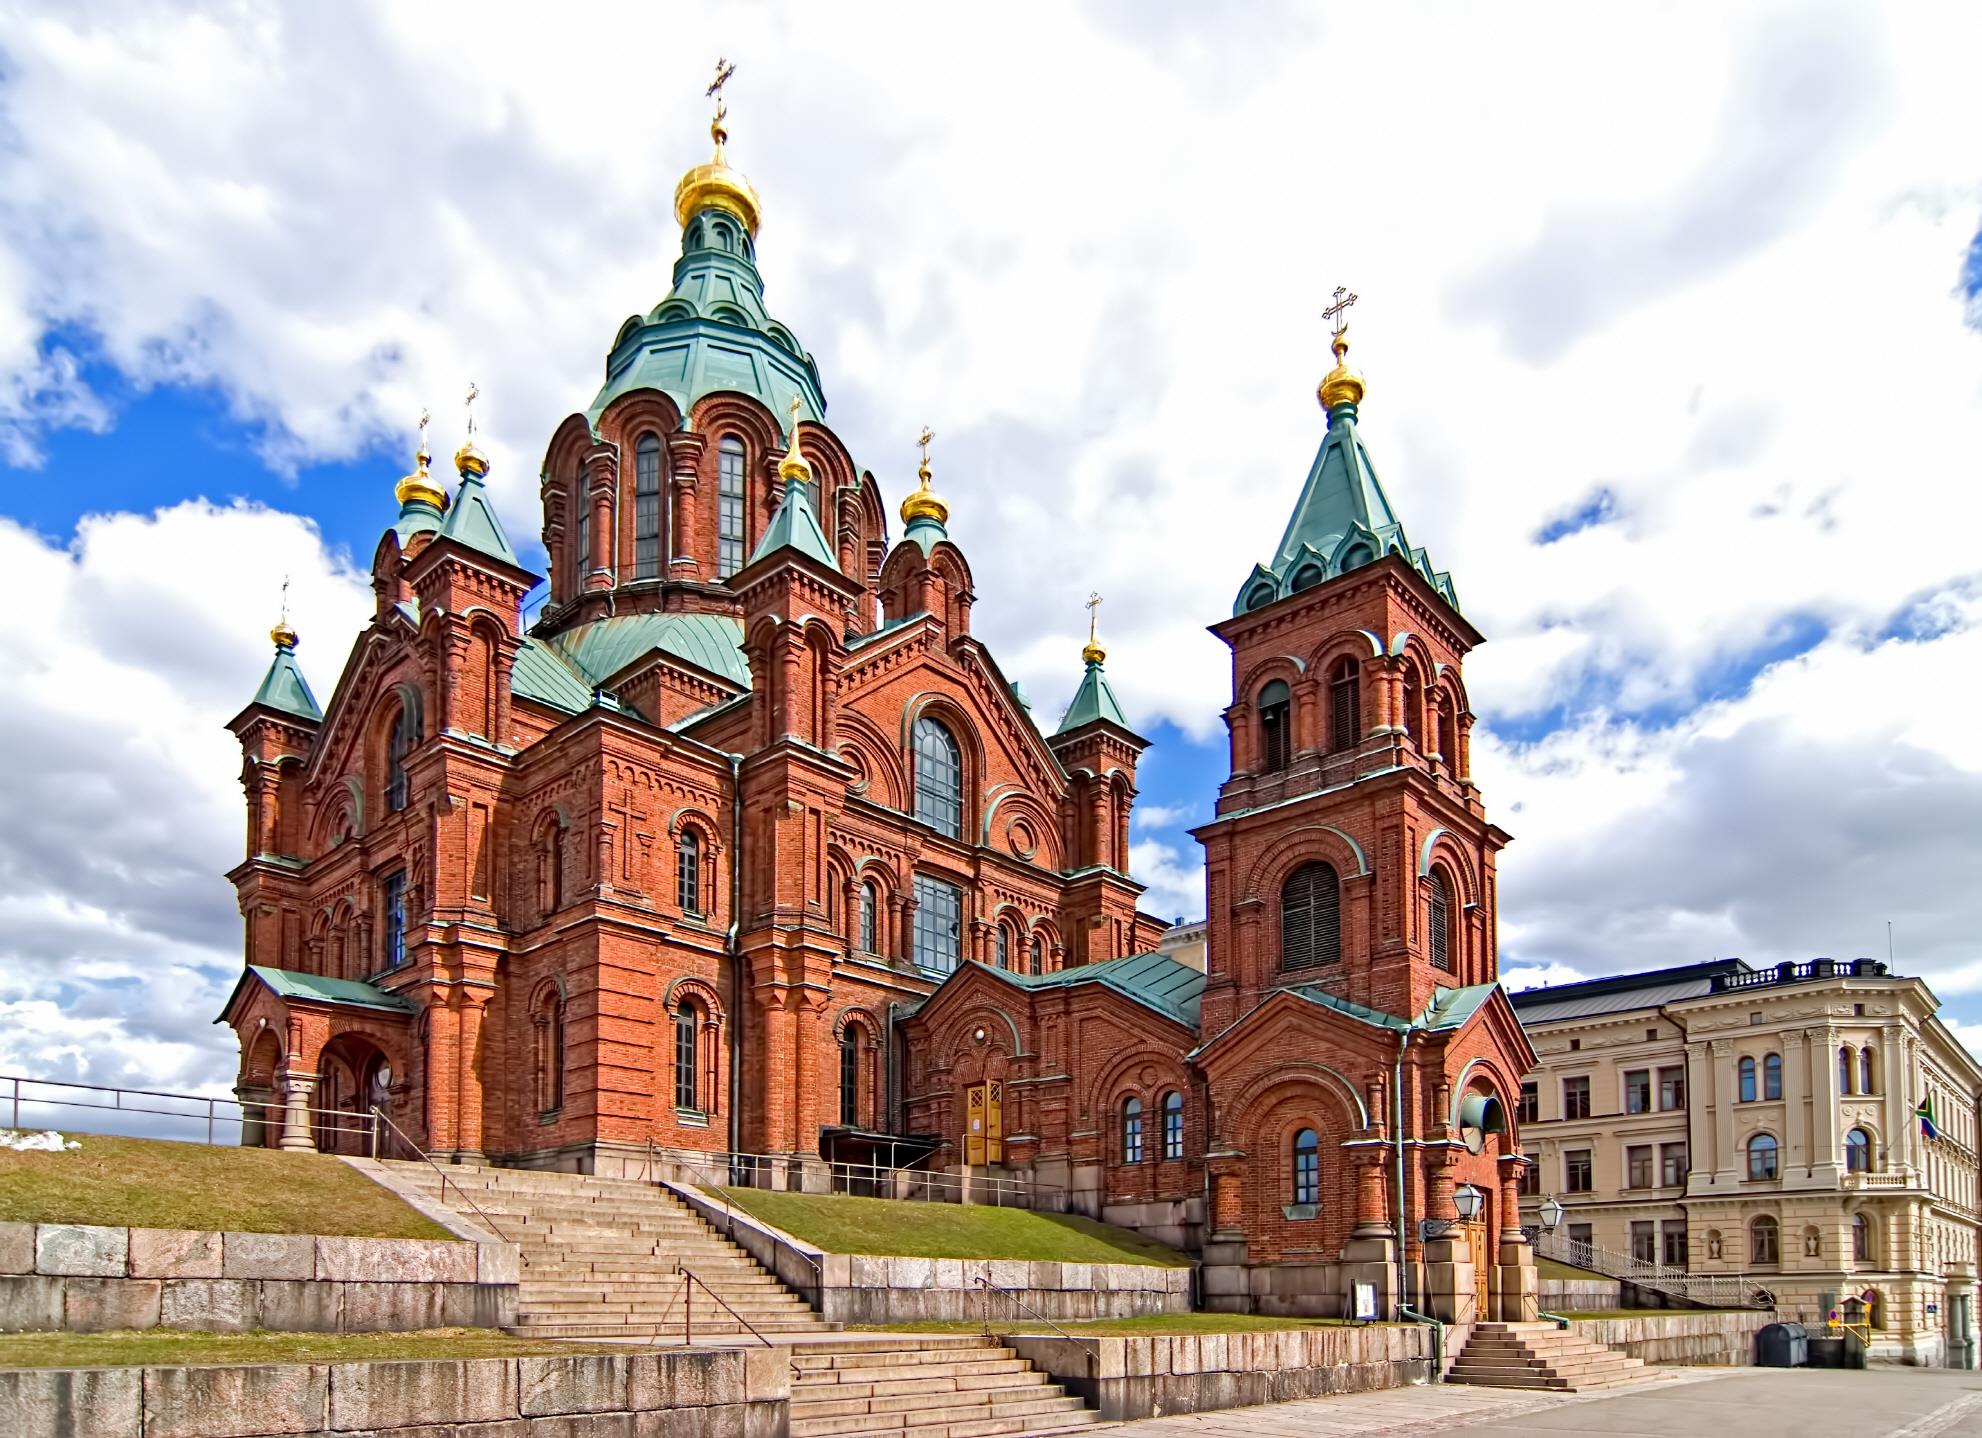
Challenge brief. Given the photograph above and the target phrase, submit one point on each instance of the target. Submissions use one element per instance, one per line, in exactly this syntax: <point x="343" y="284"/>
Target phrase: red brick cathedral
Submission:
<point x="748" y="845"/>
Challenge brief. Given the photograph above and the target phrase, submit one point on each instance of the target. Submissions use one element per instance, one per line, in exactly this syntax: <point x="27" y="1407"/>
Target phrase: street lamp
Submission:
<point x="1468" y="1200"/>
<point x="1552" y="1211"/>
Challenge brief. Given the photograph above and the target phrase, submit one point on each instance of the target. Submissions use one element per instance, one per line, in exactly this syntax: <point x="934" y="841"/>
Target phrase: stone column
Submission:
<point x="297" y="1135"/>
<point x="468" y="1076"/>
<point x="1796" y="1106"/>
<point x="1726" y="1169"/>
<point x="1517" y="1296"/>
<point x="1466" y="748"/>
<point x="1825" y="1139"/>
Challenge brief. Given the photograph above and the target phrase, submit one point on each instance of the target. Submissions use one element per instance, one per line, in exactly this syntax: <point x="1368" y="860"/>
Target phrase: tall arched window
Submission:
<point x="1276" y="715"/>
<point x="938" y="925"/>
<point x="1345" y="706"/>
<point x="1747" y="1080"/>
<point x="688" y="872"/>
<point x="729" y="506"/>
<point x="1762" y="1156"/>
<point x="1001" y="942"/>
<point x="1038" y="955"/>
<point x="547" y="1024"/>
<point x="1844" y="1069"/>
<point x="647" y="508"/>
<point x="1414" y="708"/>
<point x="867" y="917"/>
<point x="1438" y="917"/>
<point x="1764" y="1241"/>
<point x="1858" y="1151"/>
<point x="938" y="779"/>
<point x="1307" y="1167"/>
<point x="1173" y="1125"/>
<point x="1772" y="1077"/>
<point x="687" y="1067"/>
<point x="404" y="739"/>
<point x="582" y="526"/>
<point x="850" y="1077"/>
<point x="1865" y="1084"/>
<point x="1132" y="1130"/>
<point x="1861" y="1238"/>
<point x="550" y="864"/>
<point x="1310" y="917"/>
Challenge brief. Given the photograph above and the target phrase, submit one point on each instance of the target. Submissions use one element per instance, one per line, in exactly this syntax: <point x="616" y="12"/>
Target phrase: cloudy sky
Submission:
<point x="1670" y="319"/>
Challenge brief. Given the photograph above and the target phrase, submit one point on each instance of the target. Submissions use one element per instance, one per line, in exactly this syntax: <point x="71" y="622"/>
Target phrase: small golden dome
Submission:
<point x="283" y="635"/>
<point x="1093" y="653"/>
<point x="419" y="487"/>
<point x="925" y="503"/>
<point x="469" y="460"/>
<point x="1341" y="385"/>
<point x="794" y="468"/>
<point x="716" y="186"/>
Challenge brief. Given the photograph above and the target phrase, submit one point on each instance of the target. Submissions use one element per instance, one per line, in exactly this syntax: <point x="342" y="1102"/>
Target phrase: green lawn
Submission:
<point x="1155" y="1324"/>
<point x="146" y="1183"/>
<point x="840" y="1224"/>
<point x="1639" y="1312"/>
<point x="1550" y="1268"/>
<point x="169" y="1346"/>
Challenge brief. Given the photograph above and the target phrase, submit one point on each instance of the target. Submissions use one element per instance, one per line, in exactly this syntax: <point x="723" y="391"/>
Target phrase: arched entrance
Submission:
<point x="356" y="1077"/>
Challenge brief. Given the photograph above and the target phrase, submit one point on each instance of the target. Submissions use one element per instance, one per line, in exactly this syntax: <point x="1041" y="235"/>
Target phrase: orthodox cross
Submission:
<point x="1093" y="603"/>
<point x="715" y="91"/>
<point x="630" y="814"/>
<point x="793" y="409"/>
<point x="469" y="405"/>
<point x="923" y="440"/>
<point x="285" y="601"/>
<point x="425" y="420"/>
<point x="1338" y="311"/>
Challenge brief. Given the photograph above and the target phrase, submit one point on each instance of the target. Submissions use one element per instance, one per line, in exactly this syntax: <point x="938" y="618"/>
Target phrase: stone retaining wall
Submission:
<point x="1148" y="1377"/>
<point x="1581" y="1295"/>
<point x="1701" y="1339"/>
<point x="90" y="1279"/>
<point x="877" y="1288"/>
<point x="740" y="1393"/>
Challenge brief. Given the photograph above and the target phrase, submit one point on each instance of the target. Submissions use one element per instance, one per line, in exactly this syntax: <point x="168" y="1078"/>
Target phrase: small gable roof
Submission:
<point x="287" y="984"/>
<point x="471" y="521"/>
<point x="284" y="688"/>
<point x="1153" y="980"/>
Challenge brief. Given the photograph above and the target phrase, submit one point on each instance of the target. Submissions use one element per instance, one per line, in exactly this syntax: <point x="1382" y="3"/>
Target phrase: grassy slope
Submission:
<point x="145" y="1183"/>
<point x="169" y="1346"/>
<point x="947" y="1230"/>
<point x="1152" y="1324"/>
<point x="1550" y="1268"/>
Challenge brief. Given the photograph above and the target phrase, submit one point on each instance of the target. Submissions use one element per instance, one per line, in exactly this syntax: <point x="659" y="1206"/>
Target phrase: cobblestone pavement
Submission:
<point x="1748" y="1402"/>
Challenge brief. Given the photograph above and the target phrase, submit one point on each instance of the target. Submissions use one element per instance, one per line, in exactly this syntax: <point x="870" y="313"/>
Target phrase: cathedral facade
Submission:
<point x="747" y="846"/>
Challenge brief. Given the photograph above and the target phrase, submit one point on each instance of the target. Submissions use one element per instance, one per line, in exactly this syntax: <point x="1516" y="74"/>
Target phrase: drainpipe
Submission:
<point x="1397" y="1104"/>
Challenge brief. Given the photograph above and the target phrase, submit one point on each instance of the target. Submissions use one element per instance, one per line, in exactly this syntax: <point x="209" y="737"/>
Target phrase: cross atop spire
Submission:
<point x="1339" y="311"/>
<point x="467" y="404"/>
<point x="282" y="634"/>
<point x="724" y="70"/>
<point x="1093" y="653"/>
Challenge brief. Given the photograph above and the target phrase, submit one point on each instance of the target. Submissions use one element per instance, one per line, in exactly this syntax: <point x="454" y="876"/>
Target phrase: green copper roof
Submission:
<point x="599" y="650"/>
<point x="313" y="988"/>
<point x="926" y="532"/>
<point x="795" y="526"/>
<point x="471" y="520"/>
<point x="541" y="673"/>
<point x="285" y="688"/>
<point x="416" y="517"/>
<point x="1342" y="521"/>
<point x="712" y="332"/>
<point x="1154" y="980"/>
<point x="1451" y="1008"/>
<point x="1094" y="700"/>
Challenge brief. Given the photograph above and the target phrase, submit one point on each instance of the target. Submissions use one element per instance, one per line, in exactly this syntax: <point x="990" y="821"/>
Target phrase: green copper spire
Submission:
<point x="1095" y="699"/>
<point x="1343" y="519"/>
<point x="471" y="520"/>
<point x="421" y="500"/>
<point x="284" y="688"/>
<point x="795" y="526"/>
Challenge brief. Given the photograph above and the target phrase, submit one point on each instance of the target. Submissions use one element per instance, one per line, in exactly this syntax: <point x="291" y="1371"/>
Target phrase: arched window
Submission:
<point x="392" y="929"/>
<point x="688" y="872"/>
<point x="550" y="864"/>
<point x="647" y="508"/>
<point x="1861" y="1238"/>
<point x="1764" y="1241"/>
<point x="1414" y="708"/>
<point x="1345" y="706"/>
<point x="687" y="1067"/>
<point x="1310" y="917"/>
<point x="547" y="1024"/>
<point x="582" y="526"/>
<point x="867" y="917"/>
<point x="1844" y="1069"/>
<point x="729" y="506"/>
<point x="1355" y="557"/>
<point x="850" y="1077"/>
<point x="1173" y="1125"/>
<point x="1038" y="955"/>
<point x="1307" y="1167"/>
<point x="1747" y="1072"/>
<point x="1275" y="720"/>
<point x="938" y="779"/>
<point x="1448" y="739"/>
<point x="1132" y="1130"/>
<point x="1772" y="1077"/>
<point x="405" y="737"/>
<point x="1865" y="1084"/>
<point x="1858" y="1151"/>
<point x="1001" y="942"/>
<point x="1762" y="1156"/>
<point x="938" y="925"/>
<point x="1438" y="916"/>
<point x="1259" y="596"/>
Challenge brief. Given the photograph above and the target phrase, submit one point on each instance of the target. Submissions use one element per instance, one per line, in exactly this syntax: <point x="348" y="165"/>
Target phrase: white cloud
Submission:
<point x="1162" y="816"/>
<point x="1522" y="976"/>
<point x="1175" y="879"/>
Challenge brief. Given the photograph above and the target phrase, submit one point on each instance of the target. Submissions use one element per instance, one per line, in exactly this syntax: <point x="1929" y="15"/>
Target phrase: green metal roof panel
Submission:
<point x="313" y="988"/>
<point x="541" y="673"/>
<point x="601" y="649"/>
<point x="926" y="533"/>
<point x="1094" y="700"/>
<point x="471" y="520"/>
<point x="1452" y="1008"/>
<point x="794" y="526"/>
<point x="284" y="688"/>
<point x="1153" y="979"/>
<point x="1376" y="1018"/>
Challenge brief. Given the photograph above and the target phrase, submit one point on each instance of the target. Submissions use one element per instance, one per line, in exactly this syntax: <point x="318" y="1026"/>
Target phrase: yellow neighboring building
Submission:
<point x="1718" y="1119"/>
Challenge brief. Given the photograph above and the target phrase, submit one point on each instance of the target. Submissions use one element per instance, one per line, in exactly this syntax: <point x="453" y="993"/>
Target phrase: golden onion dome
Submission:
<point x="419" y="486"/>
<point x="469" y="459"/>
<point x="1341" y="385"/>
<point x="794" y="468"/>
<point x="283" y="635"/>
<point x="716" y="186"/>
<point x="1093" y="653"/>
<point x="925" y="503"/>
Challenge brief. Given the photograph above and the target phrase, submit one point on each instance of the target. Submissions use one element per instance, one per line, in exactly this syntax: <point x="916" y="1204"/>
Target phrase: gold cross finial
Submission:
<point x="1338" y="312"/>
<point x="282" y="634"/>
<point x="469" y="404"/>
<point x="792" y="409"/>
<point x="1094" y="653"/>
<point x="724" y="70"/>
<point x="285" y="601"/>
<point x="923" y="439"/>
<point x="423" y="454"/>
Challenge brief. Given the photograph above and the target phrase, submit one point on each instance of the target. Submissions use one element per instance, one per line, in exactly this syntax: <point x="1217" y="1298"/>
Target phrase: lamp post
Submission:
<point x="1468" y="1201"/>
<point x="1552" y="1211"/>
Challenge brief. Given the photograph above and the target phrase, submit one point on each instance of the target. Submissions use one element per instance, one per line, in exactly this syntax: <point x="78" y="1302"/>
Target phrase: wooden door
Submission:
<point x="1476" y="1243"/>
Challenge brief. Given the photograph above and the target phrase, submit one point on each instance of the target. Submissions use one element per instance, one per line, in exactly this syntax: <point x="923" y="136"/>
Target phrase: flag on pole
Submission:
<point x="1925" y="1113"/>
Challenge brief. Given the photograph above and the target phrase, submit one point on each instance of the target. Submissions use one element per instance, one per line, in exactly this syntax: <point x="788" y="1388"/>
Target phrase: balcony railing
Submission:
<point x="1799" y="974"/>
<point x="1710" y="1290"/>
<point x="1892" y="1179"/>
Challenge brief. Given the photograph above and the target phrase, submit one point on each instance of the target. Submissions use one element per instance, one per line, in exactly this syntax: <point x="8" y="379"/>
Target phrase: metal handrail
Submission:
<point x="691" y="1277"/>
<point x="1093" y="1353"/>
<point x="881" y="1176"/>
<point x="427" y="1158"/>
<point x="777" y="1239"/>
<point x="273" y="1111"/>
<point x="1716" y="1288"/>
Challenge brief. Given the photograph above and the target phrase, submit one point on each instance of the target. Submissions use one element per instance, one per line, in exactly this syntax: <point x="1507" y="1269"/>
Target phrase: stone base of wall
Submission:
<point x="1176" y="1222"/>
<point x="1279" y="1290"/>
<point x="1148" y="1377"/>
<point x="88" y="1279"/>
<point x="742" y="1393"/>
<point x="1584" y="1295"/>
<point x="1700" y="1340"/>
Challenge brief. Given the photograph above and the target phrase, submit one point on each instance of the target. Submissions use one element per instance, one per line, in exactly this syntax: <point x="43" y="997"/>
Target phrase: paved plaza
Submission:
<point x="1748" y="1402"/>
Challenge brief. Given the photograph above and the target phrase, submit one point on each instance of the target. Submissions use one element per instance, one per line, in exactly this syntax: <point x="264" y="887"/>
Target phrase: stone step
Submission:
<point x="940" y="1417"/>
<point x="837" y="1402"/>
<point x="890" y="1357"/>
<point x="922" y="1384"/>
<point x="607" y="1328"/>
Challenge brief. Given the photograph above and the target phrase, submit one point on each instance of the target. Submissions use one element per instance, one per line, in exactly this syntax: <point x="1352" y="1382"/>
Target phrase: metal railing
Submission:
<point x="1794" y="973"/>
<point x="384" y="1118"/>
<point x="1093" y="1353"/>
<point x="200" y="1118"/>
<point x="801" y="1173"/>
<point x="1711" y="1290"/>
<point x="730" y="1214"/>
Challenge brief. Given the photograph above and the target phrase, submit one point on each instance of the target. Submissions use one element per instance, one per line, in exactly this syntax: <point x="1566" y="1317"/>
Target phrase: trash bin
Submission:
<point x="1827" y="1352"/>
<point x="1783" y="1345"/>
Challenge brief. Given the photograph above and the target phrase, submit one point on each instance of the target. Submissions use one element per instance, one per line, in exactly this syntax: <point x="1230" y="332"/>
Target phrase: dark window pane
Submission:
<point x="938" y="925"/>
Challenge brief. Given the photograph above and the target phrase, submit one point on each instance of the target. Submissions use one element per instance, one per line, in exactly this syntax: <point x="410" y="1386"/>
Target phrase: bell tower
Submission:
<point x="1350" y="856"/>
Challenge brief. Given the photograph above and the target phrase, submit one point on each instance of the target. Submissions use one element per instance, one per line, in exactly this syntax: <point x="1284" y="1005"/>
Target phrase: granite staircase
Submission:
<point x="925" y="1386"/>
<point x="603" y="1258"/>
<point x="1540" y="1355"/>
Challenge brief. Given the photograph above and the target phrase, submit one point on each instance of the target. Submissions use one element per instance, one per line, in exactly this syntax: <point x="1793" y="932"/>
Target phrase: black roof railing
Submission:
<point x="1788" y="973"/>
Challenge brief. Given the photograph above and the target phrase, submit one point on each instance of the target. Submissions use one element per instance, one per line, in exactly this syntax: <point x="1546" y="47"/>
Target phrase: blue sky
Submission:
<point x="1687" y="396"/>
